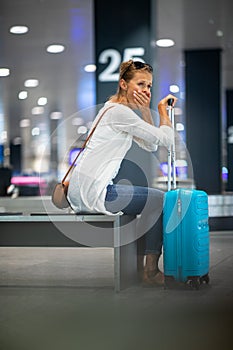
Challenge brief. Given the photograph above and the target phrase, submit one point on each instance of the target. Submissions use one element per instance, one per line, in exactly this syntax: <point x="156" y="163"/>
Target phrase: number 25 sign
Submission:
<point x="113" y="58"/>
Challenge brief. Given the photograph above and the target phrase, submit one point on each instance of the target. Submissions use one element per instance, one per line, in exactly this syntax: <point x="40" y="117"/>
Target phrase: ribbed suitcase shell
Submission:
<point x="186" y="234"/>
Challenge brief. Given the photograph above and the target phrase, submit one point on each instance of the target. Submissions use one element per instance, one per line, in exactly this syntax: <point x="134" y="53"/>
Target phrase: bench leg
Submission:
<point x="125" y="253"/>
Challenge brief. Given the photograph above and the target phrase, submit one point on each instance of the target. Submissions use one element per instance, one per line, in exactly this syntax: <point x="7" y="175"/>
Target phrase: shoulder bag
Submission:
<point x="59" y="195"/>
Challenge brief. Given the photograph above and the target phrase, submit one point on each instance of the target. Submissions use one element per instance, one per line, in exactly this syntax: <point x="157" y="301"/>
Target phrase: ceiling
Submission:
<point x="62" y="79"/>
<point x="198" y="24"/>
<point x="49" y="21"/>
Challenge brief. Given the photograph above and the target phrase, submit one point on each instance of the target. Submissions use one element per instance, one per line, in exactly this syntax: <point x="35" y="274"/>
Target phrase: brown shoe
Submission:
<point x="152" y="276"/>
<point x="153" y="279"/>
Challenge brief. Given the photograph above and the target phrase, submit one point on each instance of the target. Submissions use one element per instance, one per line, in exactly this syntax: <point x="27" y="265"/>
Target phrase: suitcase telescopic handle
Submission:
<point x="171" y="150"/>
<point x="170" y="102"/>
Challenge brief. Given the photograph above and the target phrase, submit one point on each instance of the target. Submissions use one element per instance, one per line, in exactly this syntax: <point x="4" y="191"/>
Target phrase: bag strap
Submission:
<point x="85" y="143"/>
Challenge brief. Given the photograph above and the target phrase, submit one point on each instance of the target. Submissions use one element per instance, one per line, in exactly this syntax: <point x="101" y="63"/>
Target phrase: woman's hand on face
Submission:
<point x="142" y="99"/>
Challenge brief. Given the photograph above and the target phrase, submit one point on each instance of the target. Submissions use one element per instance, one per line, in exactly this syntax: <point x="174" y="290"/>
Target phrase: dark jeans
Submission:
<point x="148" y="202"/>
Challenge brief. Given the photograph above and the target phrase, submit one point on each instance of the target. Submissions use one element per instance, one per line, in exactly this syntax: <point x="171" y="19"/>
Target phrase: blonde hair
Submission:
<point x="127" y="72"/>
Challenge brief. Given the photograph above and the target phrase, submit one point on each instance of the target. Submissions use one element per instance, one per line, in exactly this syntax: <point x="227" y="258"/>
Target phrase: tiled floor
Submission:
<point x="63" y="298"/>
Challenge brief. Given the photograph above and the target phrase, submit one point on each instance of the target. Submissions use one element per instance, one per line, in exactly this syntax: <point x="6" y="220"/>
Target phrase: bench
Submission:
<point x="83" y="230"/>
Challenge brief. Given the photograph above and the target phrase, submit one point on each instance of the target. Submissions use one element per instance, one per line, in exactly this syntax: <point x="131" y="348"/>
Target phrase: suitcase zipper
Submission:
<point x="179" y="237"/>
<point x="179" y="206"/>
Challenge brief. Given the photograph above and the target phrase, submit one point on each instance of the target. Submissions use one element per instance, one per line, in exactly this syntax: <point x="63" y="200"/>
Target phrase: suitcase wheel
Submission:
<point x="194" y="282"/>
<point x="205" y="279"/>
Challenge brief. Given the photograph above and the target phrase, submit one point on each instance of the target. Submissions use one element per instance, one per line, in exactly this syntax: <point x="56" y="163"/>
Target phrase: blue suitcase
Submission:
<point x="186" y="237"/>
<point x="185" y="232"/>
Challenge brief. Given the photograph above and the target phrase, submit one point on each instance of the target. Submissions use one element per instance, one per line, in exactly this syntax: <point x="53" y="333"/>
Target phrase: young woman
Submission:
<point x="92" y="187"/>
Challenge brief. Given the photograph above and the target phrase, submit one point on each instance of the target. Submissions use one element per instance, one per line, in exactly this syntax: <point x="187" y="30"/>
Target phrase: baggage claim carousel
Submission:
<point x="220" y="208"/>
<point x="221" y="212"/>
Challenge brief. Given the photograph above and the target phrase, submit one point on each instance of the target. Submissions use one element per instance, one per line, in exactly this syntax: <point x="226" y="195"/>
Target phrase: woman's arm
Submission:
<point x="143" y="102"/>
<point x="125" y="120"/>
<point x="146" y="116"/>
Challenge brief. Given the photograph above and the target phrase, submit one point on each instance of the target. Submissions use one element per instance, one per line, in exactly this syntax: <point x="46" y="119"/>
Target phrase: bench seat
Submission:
<point x="82" y="230"/>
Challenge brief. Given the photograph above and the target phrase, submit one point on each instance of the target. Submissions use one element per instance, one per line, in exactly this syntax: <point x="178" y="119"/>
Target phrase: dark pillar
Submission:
<point x="203" y="117"/>
<point x="229" y="125"/>
<point x="16" y="157"/>
<point x="122" y="32"/>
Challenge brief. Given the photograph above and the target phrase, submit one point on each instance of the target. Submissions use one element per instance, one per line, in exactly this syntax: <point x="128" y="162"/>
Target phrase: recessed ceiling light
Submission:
<point x="174" y="88"/>
<point x="90" y="68"/>
<point x="19" y="29"/>
<point x="37" y="110"/>
<point x="179" y="126"/>
<point x="165" y="42"/>
<point x="4" y="72"/>
<point x="42" y="101"/>
<point x="56" y="115"/>
<point x="24" y="123"/>
<point x="55" y="48"/>
<point x="219" y="33"/>
<point x="22" y="95"/>
<point x="35" y="131"/>
<point x="31" y="83"/>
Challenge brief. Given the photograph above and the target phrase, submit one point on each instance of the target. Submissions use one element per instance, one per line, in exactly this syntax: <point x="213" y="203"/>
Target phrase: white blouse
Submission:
<point x="99" y="163"/>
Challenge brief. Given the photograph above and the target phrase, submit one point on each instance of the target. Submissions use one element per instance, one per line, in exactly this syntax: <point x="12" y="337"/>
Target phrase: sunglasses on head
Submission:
<point x="139" y="65"/>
